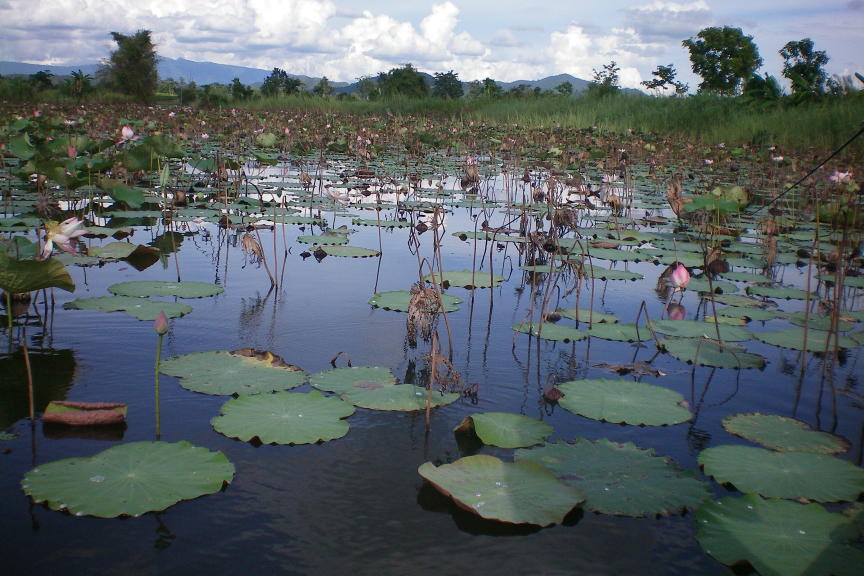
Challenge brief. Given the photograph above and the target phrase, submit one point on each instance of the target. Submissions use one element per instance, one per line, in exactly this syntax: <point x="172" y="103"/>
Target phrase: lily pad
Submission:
<point x="750" y="313"/>
<point x="353" y="379"/>
<point x="810" y="340"/>
<point x="84" y="413"/>
<point x="226" y="373"/>
<point x="466" y="279"/>
<point x="551" y="331"/>
<point x="624" y="402"/>
<point x="697" y="329"/>
<point x="399" y="301"/>
<point x="816" y="322"/>
<point x="350" y="251"/>
<point x="517" y="493"/>
<point x="620" y="332"/>
<point x="140" y="308"/>
<point x="780" y="292"/>
<point x="326" y="239"/>
<point x="112" y="251"/>
<point x="782" y="433"/>
<point x="584" y="315"/>
<point x="701" y="284"/>
<point x="620" y="479"/>
<point x="185" y="289"/>
<point x="705" y="352"/>
<point x="784" y="474"/>
<point x="777" y="537"/>
<point x="284" y="418"/>
<point x="129" y="479"/>
<point x="403" y="398"/>
<point x="504" y="429"/>
<point x="591" y="270"/>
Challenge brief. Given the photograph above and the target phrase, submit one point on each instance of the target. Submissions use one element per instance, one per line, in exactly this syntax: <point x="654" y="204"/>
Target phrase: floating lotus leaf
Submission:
<point x="185" y="289"/>
<point x="140" y="308"/>
<point x="518" y="493"/>
<point x="353" y="379"/>
<point x="505" y="430"/>
<point x="700" y="284"/>
<point x="84" y="413"/>
<point x="403" y="398"/>
<point x="848" y="281"/>
<point x="30" y="275"/>
<point x="551" y="331"/>
<point x="112" y="251"/>
<point x="740" y="300"/>
<point x="350" y="251"/>
<point x="466" y="278"/>
<point x="399" y="300"/>
<point x="620" y="332"/>
<point x="614" y="254"/>
<point x="810" y="340"/>
<point x="780" y="292"/>
<point x="697" y="329"/>
<point x="624" y="401"/>
<point x="226" y="373"/>
<point x="620" y="479"/>
<point x="688" y="259"/>
<point x="778" y="538"/>
<point x="129" y="479"/>
<point x="815" y="322"/>
<point x="704" y="352"/>
<point x="583" y="315"/>
<point x="487" y="235"/>
<point x="749" y="277"/>
<point x="284" y="418"/>
<point x="326" y="239"/>
<point x="598" y="272"/>
<point x="381" y="223"/>
<point x="782" y="433"/>
<point x="751" y="313"/>
<point x="784" y="474"/>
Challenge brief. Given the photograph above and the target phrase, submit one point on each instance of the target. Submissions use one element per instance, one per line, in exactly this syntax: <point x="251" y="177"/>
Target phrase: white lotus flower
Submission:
<point x="62" y="235"/>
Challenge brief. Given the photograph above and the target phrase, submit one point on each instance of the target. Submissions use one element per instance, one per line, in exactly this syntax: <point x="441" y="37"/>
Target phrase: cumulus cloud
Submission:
<point x="660" y="21"/>
<point x="576" y="52"/>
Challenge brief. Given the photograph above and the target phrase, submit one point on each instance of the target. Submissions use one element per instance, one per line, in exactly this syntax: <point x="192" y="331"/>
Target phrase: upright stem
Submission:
<point x="29" y="377"/>
<point x="158" y="361"/>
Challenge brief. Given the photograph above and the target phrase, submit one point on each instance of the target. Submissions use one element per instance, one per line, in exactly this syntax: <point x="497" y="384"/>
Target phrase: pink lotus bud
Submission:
<point x="71" y="152"/>
<point x="126" y="133"/>
<point x="161" y="323"/>
<point x="680" y="277"/>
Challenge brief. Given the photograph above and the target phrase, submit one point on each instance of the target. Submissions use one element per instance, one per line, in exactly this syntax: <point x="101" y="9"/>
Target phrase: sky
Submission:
<point x="506" y="40"/>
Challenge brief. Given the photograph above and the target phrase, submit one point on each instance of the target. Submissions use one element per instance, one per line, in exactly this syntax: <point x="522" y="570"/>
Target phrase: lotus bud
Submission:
<point x="680" y="277"/>
<point x="161" y="323"/>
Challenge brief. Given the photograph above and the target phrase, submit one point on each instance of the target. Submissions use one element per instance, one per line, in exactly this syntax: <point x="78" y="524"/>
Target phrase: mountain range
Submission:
<point x="203" y="73"/>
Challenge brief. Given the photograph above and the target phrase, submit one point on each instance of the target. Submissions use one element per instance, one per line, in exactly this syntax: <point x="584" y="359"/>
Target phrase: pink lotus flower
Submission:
<point x="205" y="136"/>
<point x="161" y="323"/>
<point x="71" y="152"/>
<point x="680" y="277"/>
<point x="62" y="234"/>
<point x="838" y="177"/>
<point x="127" y="134"/>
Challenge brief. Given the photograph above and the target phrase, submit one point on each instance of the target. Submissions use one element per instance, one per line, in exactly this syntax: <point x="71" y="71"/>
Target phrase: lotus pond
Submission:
<point x="404" y="346"/>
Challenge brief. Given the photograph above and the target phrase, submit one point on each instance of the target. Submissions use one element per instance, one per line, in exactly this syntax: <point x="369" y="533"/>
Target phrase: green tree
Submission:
<point x="664" y="78"/>
<point x="724" y="58"/>
<point x="605" y="81"/>
<point x="42" y="80"/>
<point x="239" y="91"/>
<point x="404" y="81"/>
<point x="447" y="85"/>
<point x="564" y="89"/>
<point x="488" y="88"/>
<point x="132" y="66"/>
<point x="367" y="88"/>
<point x="278" y="82"/>
<point x="78" y="84"/>
<point x="762" y="90"/>
<point x="323" y="87"/>
<point x="804" y="68"/>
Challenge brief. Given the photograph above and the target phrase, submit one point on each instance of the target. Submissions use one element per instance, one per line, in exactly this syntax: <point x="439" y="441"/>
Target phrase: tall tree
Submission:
<point x="404" y="81"/>
<point x="42" y="80"/>
<point x="664" y="78"/>
<point x="132" y="66"/>
<point x="323" y="88"/>
<point x="447" y="85"/>
<point x="605" y="81"/>
<point x="240" y="91"/>
<point x="804" y="67"/>
<point x="564" y="89"/>
<point x="724" y="58"/>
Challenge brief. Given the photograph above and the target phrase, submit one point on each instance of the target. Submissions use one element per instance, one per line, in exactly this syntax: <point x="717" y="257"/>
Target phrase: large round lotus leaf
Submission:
<point x="226" y="373"/>
<point x="697" y="329"/>
<point x="779" y="538"/>
<point x="112" y="251"/>
<point x="700" y="284"/>
<point x="326" y="239"/>
<point x="620" y="479"/>
<point x="466" y="278"/>
<point x="598" y="272"/>
<point x="782" y="433"/>
<point x="284" y="418"/>
<point x="353" y="379"/>
<point x="185" y="289"/>
<point x="810" y="340"/>
<point x="848" y="281"/>
<point x="506" y="430"/>
<point x="399" y="300"/>
<point x="815" y="322"/>
<point x="620" y="332"/>
<point x="780" y="292"/>
<point x="750" y="313"/>
<point x="739" y="300"/>
<point x="350" y="251"/>
<point x="518" y="493"/>
<point x="614" y="254"/>
<point x="551" y="331"/>
<point x="404" y="398"/>
<point x="129" y="479"/>
<point x="784" y="474"/>
<point x="747" y="277"/>
<point x="583" y="315"/>
<point x="624" y="401"/>
<point x="381" y="223"/>
<point x="31" y="275"/>
<point x="703" y="352"/>
<point x="140" y="308"/>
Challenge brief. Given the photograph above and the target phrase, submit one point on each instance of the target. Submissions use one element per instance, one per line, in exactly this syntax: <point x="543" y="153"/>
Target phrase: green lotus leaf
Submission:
<point x="226" y="373"/>
<point x="782" y="433"/>
<point x="140" y="308"/>
<point x="624" y="401"/>
<point x="704" y="352"/>
<point x="505" y="430"/>
<point x="284" y="418"/>
<point x="614" y="254"/>
<point x="698" y="329"/>
<point x="620" y="479"/>
<point x="185" y="289"/>
<point x="600" y="273"/>
<point x="620" y="332"/>
<point x="381" y="223"/>
<point x="750" y="313"/>
<point x="326" y="239"/>
<point x="129" y="479"/>
<point x="517" y="493"/>
<point x="353" y="379"/>
<point x="749" y="277"/>
<point x="399" y="301"/>
<point x="772" y="474"/>
<point x="492" y="236"/>
<point x="31" y="275"/>
<point x="112" y="250"/>
<point x="466" y="279"/>
<point x="810" y="340"/>
<point x="700" y="284"/>
<point x="816" y="322"/>
<point x="778" y="538"/>
<point x="350" y="251"/>
<point x="780" y="292"/>
<point x="551" y="331"/>
<point x="403" y="398"/>
<point x="584" y="315"/>
<point x="740" y="300"/>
